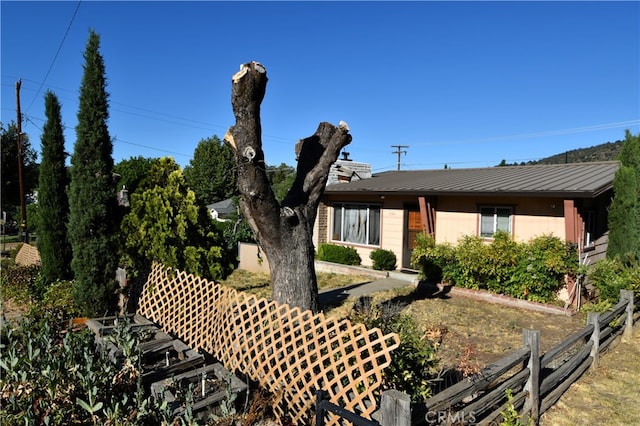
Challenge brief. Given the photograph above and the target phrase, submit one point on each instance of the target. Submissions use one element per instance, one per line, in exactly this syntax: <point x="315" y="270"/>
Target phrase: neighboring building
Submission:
<point x="346" y="170"/>
<point x="221" y="210"/>
<point x="387" y="210"/>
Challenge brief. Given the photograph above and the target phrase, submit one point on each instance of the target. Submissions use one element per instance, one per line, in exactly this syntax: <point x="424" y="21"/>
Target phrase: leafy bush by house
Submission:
<point x="383" y="260"/>
<point x="434" y="261"/>
<point x="609" y="276"/>
<point x="534" y="270"/>
<point x="338" y="254"/>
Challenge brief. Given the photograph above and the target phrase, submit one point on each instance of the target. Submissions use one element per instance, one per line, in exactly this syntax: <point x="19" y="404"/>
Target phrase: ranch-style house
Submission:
<point x="386" y="210"/>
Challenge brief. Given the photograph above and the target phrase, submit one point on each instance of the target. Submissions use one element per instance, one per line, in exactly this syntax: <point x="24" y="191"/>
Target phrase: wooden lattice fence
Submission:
<point x="290" y="352"/>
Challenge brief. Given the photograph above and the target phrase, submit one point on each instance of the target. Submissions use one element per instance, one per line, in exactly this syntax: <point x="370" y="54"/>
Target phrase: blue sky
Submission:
<point x="465" y="84"/>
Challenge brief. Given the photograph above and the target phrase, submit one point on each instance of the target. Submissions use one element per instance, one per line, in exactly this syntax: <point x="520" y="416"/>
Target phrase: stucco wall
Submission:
<point x="249" y="260"/>
<point x="455" y="218"/>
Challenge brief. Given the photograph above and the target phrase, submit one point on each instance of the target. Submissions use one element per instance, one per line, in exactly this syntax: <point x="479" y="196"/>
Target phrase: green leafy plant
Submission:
<point x="534" y="270"/>
<point x="51" y="376"/>
<point x="611" y="275"/>
<point x="434" y="261"/>
<point x="414" y="362"/>
<point x="383" y="260"/>
<point x="510" y="416"/>
<point x="338" y="254"/>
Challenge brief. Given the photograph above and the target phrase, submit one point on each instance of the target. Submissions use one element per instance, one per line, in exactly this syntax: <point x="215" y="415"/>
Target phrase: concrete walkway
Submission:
<point x="394" y="280"/>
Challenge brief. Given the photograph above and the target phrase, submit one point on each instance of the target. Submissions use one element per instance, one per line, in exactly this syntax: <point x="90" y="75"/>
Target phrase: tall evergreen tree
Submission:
<point x="623" y="226"/>
<point x="624" y="214"/>
<point x="53" y="204"/>
<point x="91" y="196"/>
<point x="211" y="173"/>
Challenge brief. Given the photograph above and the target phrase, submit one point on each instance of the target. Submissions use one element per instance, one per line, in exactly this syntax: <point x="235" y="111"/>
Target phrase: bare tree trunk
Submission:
<point x="284" y="231"/>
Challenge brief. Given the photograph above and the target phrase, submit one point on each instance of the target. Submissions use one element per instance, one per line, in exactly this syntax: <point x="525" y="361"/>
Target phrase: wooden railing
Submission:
<point x="536" y="382"/>
<point x="290" y="352"/>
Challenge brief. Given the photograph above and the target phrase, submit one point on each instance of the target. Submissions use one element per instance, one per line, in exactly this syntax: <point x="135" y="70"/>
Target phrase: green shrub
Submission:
<point x="338" y="254"/>
<point x="414" y="363"/>
<point x="541" y="270"/>
<point x="533" y="271"/>
<point x="609" y="276"/>
<point x="20" y="278"/>
<point x="503" y="256"/>
<point x="49" y="379"/>
<point x="434" y="261"/>
<point x="471" y="253"/>
<point x="383" y="260"/>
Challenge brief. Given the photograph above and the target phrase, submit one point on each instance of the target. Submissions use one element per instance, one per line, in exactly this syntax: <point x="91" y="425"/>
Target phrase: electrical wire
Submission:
<point x="55" y="56"/>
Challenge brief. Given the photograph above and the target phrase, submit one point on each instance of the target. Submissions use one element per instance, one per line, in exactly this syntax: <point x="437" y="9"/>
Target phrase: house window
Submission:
<point x="494" y="219"/>
<point x="356" y="223"/>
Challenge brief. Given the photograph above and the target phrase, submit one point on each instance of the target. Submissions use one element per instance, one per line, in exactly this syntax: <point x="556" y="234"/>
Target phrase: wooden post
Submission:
<point x="628" y="325"/>
<point x="531" y="338"/>
<point x="594" y="319"/>
<point x="395" y="408"/>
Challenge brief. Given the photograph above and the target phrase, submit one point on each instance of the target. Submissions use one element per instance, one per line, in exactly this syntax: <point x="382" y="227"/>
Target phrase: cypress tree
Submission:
<point x="54" y="247"/>
<point x="624" y="214"/>
<point x="91" y="196"/>
<point x="623" y="226"/>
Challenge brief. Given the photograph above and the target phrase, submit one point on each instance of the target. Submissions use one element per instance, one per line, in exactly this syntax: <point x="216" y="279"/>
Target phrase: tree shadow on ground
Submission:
<point x="424" y="290"/>
<point x="336" y="296"/>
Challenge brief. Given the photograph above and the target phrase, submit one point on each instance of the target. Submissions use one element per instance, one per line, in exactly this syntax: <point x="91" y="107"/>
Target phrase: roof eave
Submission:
<point x="427" y="193"/>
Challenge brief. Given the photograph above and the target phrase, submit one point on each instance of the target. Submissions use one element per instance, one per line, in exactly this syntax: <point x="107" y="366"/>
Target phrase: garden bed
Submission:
<point x="211" y="385"/>
<point x="168" y="359"/>
<point x="105" y="325"/>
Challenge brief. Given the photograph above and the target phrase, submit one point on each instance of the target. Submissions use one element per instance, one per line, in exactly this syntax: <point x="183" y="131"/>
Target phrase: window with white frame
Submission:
<point x="494" y="219"/>
<point x="356" y="223"/>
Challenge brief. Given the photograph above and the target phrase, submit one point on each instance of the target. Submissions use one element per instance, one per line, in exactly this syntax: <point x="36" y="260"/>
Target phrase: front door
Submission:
<point x="413" y="226"/>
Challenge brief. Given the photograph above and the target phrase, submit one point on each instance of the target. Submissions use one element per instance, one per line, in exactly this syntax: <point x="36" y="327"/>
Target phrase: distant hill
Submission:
<point x="604" y="152"/>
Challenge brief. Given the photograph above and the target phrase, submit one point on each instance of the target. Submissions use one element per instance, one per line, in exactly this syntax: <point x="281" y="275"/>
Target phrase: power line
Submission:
<point x="56" y="55"/>
<point x="399" y="151"/>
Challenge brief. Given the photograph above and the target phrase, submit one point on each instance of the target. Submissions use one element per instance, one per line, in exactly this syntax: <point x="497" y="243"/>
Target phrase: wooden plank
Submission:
<point x="553" y="396"/>
<point x="563" y="346"/>
<point x="424" y="215"/>
<point x="566" y="369"/>
<point x="461" y="390"/>
<point x="608" y="316"/>
<point x="628" y="323"/>
<point x="494" y="418"/>
<point x="497" y="395"/>
<point x="531" y="338"/>
<point x="593" y="318"/>
<point x="395" y="407"/>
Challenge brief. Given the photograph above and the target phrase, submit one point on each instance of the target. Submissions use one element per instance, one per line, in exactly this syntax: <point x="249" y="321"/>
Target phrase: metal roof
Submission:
<point x="580" y="180"/>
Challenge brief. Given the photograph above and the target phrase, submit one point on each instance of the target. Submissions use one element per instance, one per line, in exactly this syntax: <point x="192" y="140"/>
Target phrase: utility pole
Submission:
<point x="23" y="207"/>
<point x="399" y="151"/>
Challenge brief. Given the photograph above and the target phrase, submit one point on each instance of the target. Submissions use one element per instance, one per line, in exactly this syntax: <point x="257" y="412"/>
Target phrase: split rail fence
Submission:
<point x="290" y="352"/>
<point x="536" y="381"/>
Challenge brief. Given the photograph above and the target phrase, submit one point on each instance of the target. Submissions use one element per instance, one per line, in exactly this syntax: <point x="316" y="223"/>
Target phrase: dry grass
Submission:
<point x="469" y="332"/>
<point x="472" y="334"/>
<point x="260" y="284"/>
<point x="608" y="395"/>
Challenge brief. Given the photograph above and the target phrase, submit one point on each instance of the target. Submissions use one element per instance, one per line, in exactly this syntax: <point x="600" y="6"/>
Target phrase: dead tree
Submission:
<point x="284" y="230"/>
